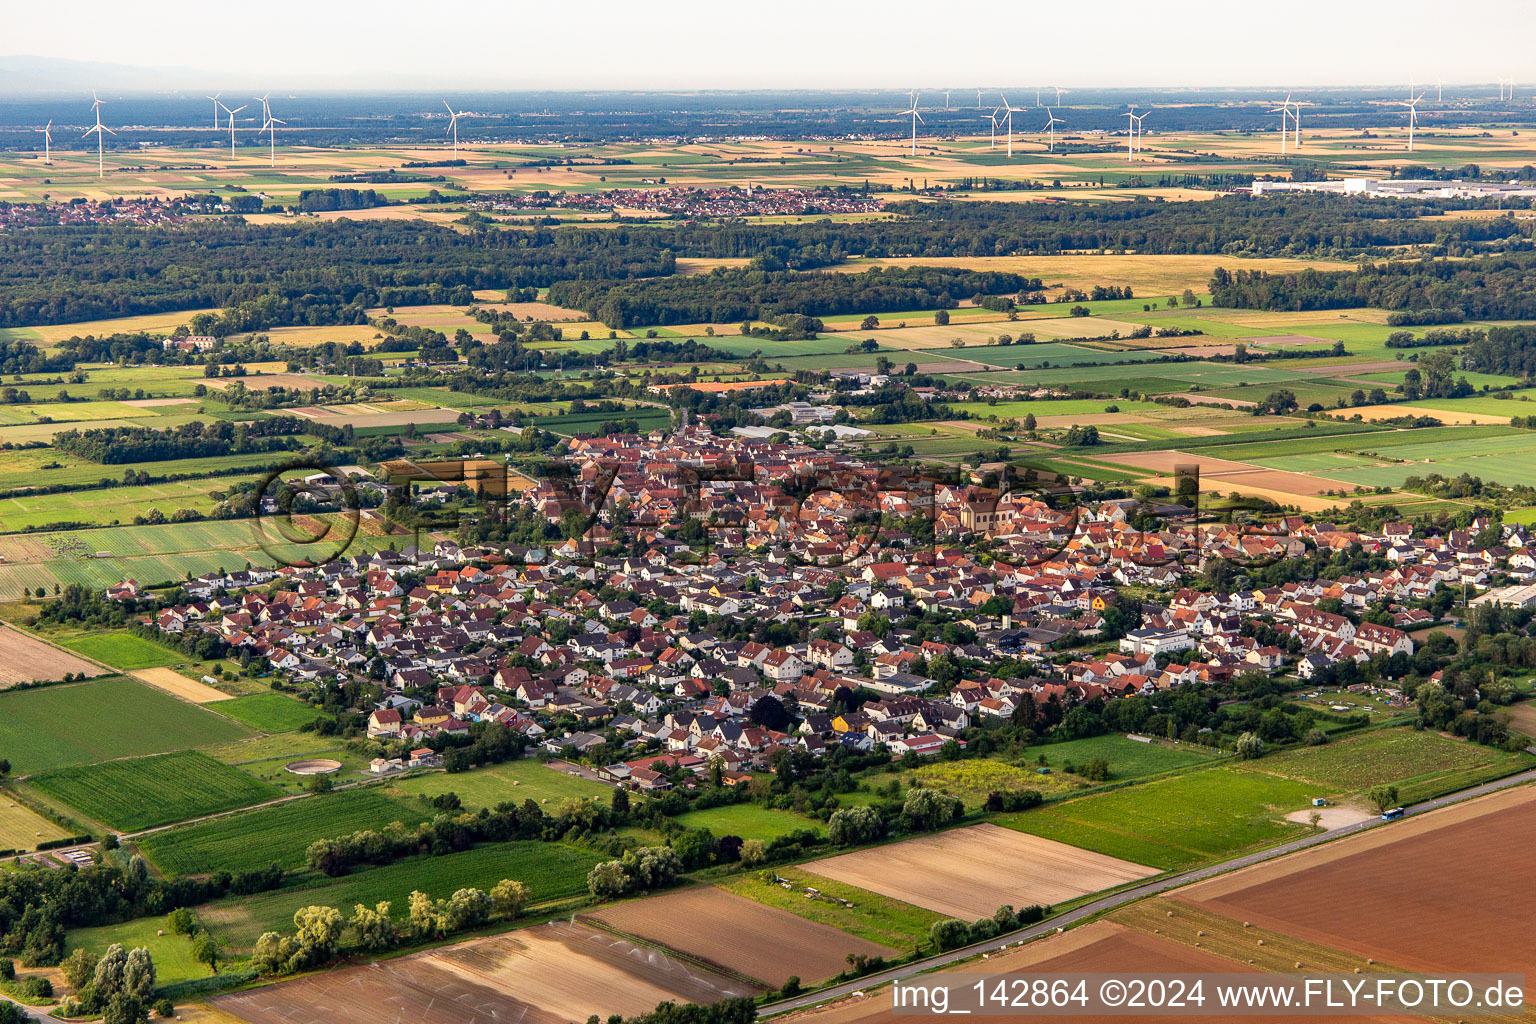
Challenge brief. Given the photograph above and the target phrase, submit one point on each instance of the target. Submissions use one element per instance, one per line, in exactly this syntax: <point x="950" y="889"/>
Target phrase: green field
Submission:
<point x="550" y="870"/>
<point x="269" y="712"/>
<point x="21" y="828"/>
<point x="525" y="779"/>
<point x="1357" y="762"/>
<point x="54" y="726"/>
<point x="122" y="650"/>
<point x="1174" y="822"/>
<point x="877" y="918"/>
<point x="142" y="792"/>
<point x="749" y="821"/>
<point x="1127" y="758"/>
<point x="277" y="834"/>
<point x="172" y="953"/>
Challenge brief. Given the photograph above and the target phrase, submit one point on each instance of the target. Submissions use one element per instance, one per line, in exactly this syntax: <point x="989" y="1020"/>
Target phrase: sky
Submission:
<point x="716" y="44"/>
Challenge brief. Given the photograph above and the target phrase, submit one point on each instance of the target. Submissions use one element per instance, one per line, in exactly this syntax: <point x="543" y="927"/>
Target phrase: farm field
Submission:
<point x="22" y="828"/>
<point x="1127" y="758"/>
<point x="122" y="650"/>
<point x="551" y="871"/>
<point x="139" y="793"/>
<point x="549" y="974"/>
<point x="178" y="685"/>
<point x="270" y="712"/>
<point x="279" y="834"/>
<point x="523" y="779"/>
<point x="26" y="659"/>
<point x="940" y="871"/>
<point x="866" y="915"/>
<point x="104" y="507"/>
<point x="1174" y="822"/>
<point x="106" y="718"/>
<point x="1338" y="896"/>
<point x="737" y="934"/>
<point x="1354" y="763"/>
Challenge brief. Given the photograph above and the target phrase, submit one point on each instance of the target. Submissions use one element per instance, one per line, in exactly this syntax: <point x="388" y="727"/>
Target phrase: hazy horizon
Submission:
<point x="688" y="45"/>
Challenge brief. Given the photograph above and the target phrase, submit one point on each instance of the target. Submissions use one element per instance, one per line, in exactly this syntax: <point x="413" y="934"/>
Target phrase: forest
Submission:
<point x="195" y="440"/>
<point x="328" y="272"/>
<point x="1484" y="288"/>
<point x="728" y="295"/>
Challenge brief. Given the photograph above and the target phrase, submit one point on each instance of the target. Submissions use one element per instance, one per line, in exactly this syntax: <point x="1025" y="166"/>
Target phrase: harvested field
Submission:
<point x="26" y="659"/>
<point x="261" y="382"/>
<point x="1228" y="475"/>
<point x="957" y="872"/>
<point x="360" y="420"/>
<point x="744" y="937"/>
<point x="176" y="684"/>
<point x="1340" y="896"/>
<point x="1101" y="947"/>
<point x="550" y="974"/>
<point x="155" y="403"/>
<point x="1392" y="412"/>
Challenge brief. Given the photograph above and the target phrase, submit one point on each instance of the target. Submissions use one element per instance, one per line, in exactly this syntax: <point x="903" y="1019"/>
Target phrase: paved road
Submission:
<point x="37" y="1013"/>
<point x="1124" y="896"/>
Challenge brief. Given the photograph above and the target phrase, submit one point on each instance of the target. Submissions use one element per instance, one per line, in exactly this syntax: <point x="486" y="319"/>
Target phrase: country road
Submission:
<point x="1122" y="897"/>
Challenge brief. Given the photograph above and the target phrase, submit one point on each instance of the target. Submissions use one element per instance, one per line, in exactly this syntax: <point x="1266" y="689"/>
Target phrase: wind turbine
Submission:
<point x="453" y="126"/>
<point x="1284" y="110"/>
<point x="47" y="143"/>
<point x="269" y="126"/>
<point x="232" y="114"/>
<point x="1059" y="93"/>
<point x="1439" y="89"/>
<point x="993" y="118"/>
<point x="215" y="98"/>
<point x="96" y="106"/>
<point x="946" y="99"/>
<point x="1011" y="109"/>
<point x="1130" y="135"/>
<point x="1140" y="118"/>
<point x="1413" y="117"/>
<point x="1296" y="120"/>
<point x="1050" y="126"/>
<point x="916" y="119"/>
<point x="978" y="99"/>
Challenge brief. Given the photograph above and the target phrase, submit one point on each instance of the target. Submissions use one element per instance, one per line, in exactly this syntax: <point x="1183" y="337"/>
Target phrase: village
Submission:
<point x="668" y="651"/>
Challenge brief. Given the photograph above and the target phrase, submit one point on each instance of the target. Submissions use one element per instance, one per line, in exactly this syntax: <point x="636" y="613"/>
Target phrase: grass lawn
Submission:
<point x="1357" y="762"/>
<point x="1174" y="822"/>
<point x="550" y="870"/>
<point x="277" y="834"/>
<point x="142" y="792"/>
<point x="525" y="779"/>
<point x="122" y="650"/>
<point x="269" y="712"/>
<point x="749" y="821"/>
<point x="112" y="717"/>
<point x="172" y="953"/>
<point x="873" y="917"/>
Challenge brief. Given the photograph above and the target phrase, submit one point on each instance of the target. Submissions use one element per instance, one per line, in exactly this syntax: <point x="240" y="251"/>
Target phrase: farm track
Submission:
<point x="1125" y="896"/>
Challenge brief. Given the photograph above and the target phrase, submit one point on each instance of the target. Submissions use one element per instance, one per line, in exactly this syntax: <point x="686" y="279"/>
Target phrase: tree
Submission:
<point x="181" y="921"/>
<point x="12" y="1013"/>
<point x="1249" y="746"/>
<point x="607" y="880"/>
<point x="852" y="826"/>
<point x="373" y="927"/>
<point x="139" y="975"/>
<point x="79" y="968"/>
<point x="318" y="933"/>
<point x="768" y="712"/>
<point x="123" y="1008"/>
<point x="869" y="323"/>
<point x="1383" y="796"/>
<point x="753" y="852"/>
<point x="950" y="933"/>
<point x="205" y="950"/>
<point x="109" y="971"/>
<point x="941" y="318"/>
<point x="509" y="897"/>
<point x="927" y="809"/>
<point x="425" y="917"/>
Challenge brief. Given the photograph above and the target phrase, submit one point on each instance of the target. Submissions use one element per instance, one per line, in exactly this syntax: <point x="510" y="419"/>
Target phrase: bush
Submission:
<point x="1316" y="737"/>
<point x="165" y="1008"/>
<point x="7" y="969"/>
<point x="852" y="826"/>
<point x="1249" y="746"/>
<point x="1013" y="800"/>
<point x="38" y="987"/>
<point x="927" y="809"/>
